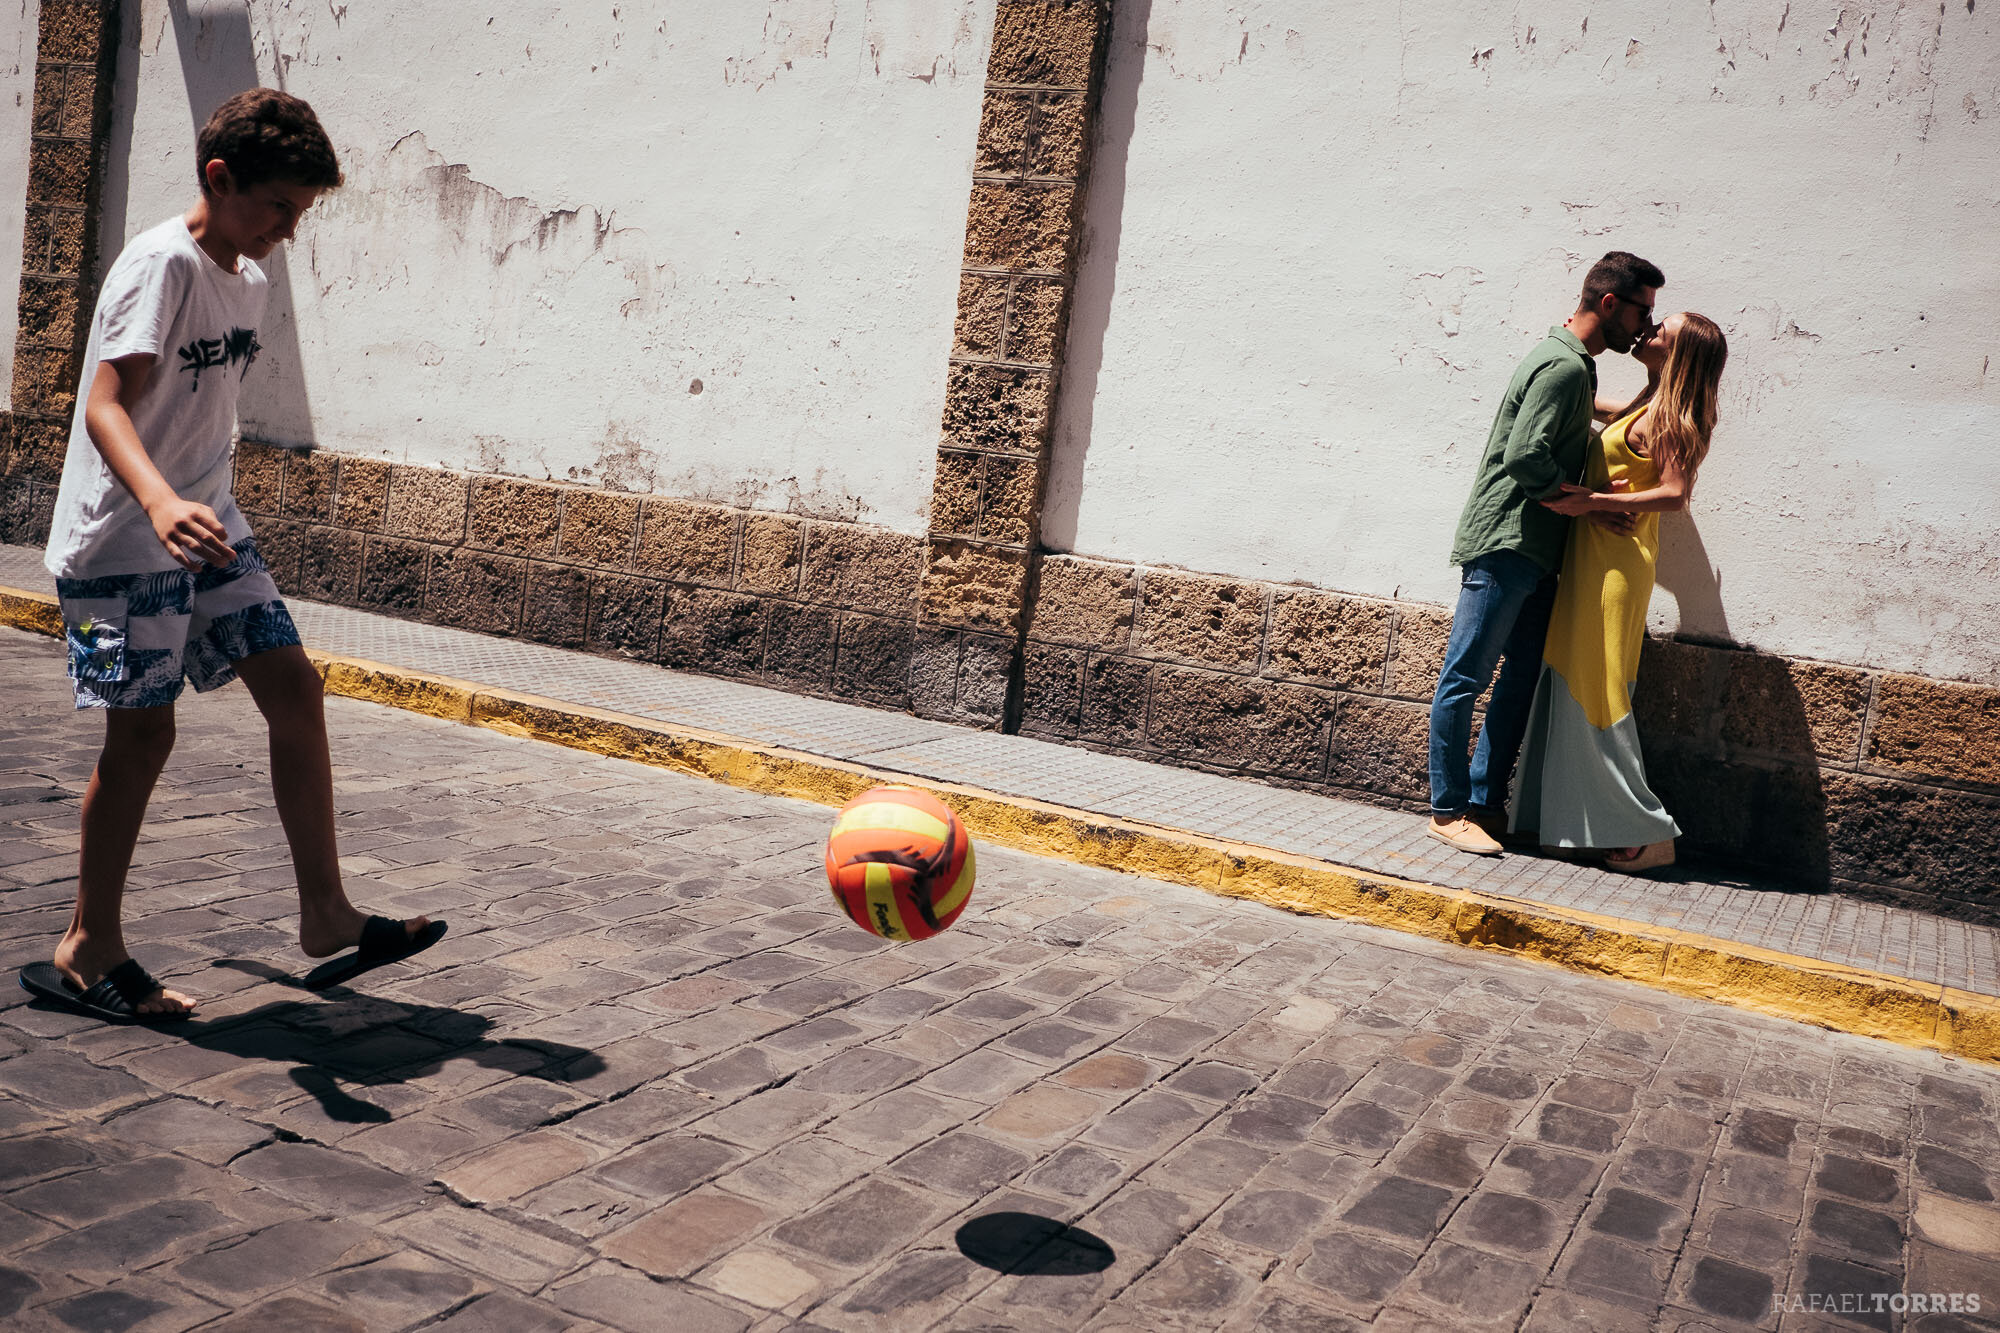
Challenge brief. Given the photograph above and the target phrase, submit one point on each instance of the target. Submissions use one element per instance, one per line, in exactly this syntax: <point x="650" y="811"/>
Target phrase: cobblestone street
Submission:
<point x="652" y="1080"/>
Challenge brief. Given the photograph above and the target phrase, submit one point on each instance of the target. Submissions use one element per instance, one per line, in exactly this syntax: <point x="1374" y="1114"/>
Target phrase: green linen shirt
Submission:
<point x="1540" y="438"/>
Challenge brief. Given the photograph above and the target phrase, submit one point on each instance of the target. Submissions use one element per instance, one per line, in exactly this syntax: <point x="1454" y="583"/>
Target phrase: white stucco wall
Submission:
<point x="709" y="250"/>
<point x="18" y="29"/>
<point x="1320" y="237"/>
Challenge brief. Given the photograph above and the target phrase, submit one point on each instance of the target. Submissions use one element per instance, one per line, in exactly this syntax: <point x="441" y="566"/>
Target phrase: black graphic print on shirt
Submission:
<point x="207" y="353"/>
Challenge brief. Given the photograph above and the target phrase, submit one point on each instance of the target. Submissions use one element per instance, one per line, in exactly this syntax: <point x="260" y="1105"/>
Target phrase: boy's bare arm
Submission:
<point x="191" y="532"/>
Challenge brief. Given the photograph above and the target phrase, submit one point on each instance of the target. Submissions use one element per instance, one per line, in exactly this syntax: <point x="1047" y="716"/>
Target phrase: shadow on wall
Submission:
<point x="1097" y="273"/>
<point x="218" y="60"/>
<point x="1685" y="571"/>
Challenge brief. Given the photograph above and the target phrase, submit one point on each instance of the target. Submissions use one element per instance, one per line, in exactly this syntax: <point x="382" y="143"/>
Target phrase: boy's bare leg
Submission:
<point x="137" y="742"/>
<point x="287" y="690"/>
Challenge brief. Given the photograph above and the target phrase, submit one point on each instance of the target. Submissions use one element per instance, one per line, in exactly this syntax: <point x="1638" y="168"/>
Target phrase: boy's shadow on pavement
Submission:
<point x="399" y="1041"/>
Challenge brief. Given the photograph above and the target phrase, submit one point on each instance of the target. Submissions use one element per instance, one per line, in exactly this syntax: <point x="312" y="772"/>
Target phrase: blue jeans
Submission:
<point x="1504" y="601"/>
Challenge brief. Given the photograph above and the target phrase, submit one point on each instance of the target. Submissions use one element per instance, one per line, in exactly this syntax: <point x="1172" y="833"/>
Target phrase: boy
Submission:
<point x="1509" y="548"/>
<point x="157" y="571"/>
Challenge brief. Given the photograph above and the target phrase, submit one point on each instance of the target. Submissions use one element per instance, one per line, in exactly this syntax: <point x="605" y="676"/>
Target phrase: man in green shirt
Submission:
<point x="1509" y="548"/>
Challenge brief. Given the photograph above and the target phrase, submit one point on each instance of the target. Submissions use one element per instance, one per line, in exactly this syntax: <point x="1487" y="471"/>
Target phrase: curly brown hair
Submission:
<point x="262" y="135"/>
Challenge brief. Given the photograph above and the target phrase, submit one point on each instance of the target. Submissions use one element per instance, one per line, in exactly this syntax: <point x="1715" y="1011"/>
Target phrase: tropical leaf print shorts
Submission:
<point x="134" y="638"/>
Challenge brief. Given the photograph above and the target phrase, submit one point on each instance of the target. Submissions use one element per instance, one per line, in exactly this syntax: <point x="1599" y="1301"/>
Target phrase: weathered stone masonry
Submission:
<point x="815" y="607"/>
<point x="1883" y="783"/>
<point x="76" y="49"/>
<point x="1823" y="773"/>
<point x="1029" y="174"/>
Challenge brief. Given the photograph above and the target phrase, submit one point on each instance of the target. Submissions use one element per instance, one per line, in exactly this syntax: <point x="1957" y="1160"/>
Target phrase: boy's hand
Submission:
<point x="191" y="533"/>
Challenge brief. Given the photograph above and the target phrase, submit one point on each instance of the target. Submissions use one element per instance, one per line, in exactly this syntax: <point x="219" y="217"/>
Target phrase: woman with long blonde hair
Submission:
<point x="1582" y="786"/>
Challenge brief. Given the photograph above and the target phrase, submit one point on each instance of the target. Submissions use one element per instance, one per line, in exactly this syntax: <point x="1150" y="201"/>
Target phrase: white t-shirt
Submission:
<point x="164" y="296"/>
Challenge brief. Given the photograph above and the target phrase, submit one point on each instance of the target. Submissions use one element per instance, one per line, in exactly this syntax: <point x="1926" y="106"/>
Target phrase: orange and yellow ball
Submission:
<point x="899" y="863"/>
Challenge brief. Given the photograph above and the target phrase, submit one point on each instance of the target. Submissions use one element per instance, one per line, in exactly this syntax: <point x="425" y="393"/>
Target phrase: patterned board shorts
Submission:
<point x="133" y="638"/>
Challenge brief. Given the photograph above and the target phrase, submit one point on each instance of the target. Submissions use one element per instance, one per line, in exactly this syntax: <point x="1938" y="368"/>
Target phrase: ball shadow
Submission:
<point x="1028" y="1243"/>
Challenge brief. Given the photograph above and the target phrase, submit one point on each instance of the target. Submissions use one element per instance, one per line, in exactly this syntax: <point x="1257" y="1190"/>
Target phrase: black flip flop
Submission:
<point x="114" y="999"/>
<point x="383" y="940"/>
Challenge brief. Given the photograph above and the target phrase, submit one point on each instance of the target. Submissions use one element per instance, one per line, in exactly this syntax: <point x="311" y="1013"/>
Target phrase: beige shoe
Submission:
<point x="1651" y="857"/>
<point x="1464" y="835"/>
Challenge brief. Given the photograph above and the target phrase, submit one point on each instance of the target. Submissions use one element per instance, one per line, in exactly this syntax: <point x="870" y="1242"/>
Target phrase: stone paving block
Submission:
<point x="800" y="1173"/>
<point x="502" y="1312"/>
<point x="668" y="1166"/>
<point x="1399" y="1206"/>
<point x="486" y="1244"/>
<point x="1756" y="1182"/>
<point x="396" y="1291"/>
<point x="1452" y="1160"/>
<point x="1849" y="1287"/>
<point x="861" y="1224"/>
<point x="586" y="1208"/>
<point x="761" y="1277"/>
<point x="768" y="1118"/>
<point x="1638" y="1218"/>
<point x="1193" y="1284"/>
<point x="1272" y="1120"/>
<point x="641" y="1115"/>
<point x="322" y="1178"/>
<point x="516" y="1167"/>
<point x="131" y="1240"/>
<point x="1614" y="1272"/>
<point x="1364" y="1127"/>
<point x="62" y="1082"/>
<point x="136" y="1305"/>
<point x="962" y="1164"/>
<point x="899" y="1119"/>
<point x="1113" y="1072"/>
<point x="1558" y="1311"/>
<point x="911" y="1293"/>
<point x="1478" y="1289"/>
<point x="1949" y="1173"/>
<point x="675" y="1240"/>
<point x="278" y="1256"/>
<point x="1570" y="1127"/>
<point x="1723" y="1288"/>
<point x="88" y="1195"/>
<point x="1359" y="1270"/>
<point x="1841" y="1227"/>
<point x="1273" y="1220"/>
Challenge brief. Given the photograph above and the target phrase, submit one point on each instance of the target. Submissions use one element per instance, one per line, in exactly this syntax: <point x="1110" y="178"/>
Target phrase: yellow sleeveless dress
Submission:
<point x="1582" y="779"/>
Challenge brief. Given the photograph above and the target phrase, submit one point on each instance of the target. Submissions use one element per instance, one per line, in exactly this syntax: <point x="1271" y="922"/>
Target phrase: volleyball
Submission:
<point x="899" y="863"/>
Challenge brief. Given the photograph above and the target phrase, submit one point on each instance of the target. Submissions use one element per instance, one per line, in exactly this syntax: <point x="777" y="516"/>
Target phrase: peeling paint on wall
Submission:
<point x="793" y="30"/>
<point x="945" y="39"/>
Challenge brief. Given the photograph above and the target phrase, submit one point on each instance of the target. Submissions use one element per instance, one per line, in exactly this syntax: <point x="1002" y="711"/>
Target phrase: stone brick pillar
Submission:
<point x="1021" y="248"/>
<point x="77" y="50"/>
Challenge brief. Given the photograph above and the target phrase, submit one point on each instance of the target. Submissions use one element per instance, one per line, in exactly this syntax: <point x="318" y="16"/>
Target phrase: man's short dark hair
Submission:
<point x="1618" y="274"/>
<point x="264" y="135"/>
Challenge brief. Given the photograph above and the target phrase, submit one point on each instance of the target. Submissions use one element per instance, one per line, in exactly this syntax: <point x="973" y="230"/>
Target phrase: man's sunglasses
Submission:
<point x="1649" y="325"/>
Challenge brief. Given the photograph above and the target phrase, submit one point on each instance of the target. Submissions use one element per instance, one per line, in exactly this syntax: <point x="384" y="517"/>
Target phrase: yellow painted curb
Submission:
<point x="37" y="612"/>
<point x="1783" y="985"/>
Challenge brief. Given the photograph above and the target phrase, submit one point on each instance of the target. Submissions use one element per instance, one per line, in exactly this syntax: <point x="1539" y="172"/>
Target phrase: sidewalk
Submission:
<point x="1820" y="957"/>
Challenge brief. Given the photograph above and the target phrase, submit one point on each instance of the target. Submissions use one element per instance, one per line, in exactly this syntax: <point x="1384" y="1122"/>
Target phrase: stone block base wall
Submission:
<point x="1883" y="784"/>
<point x="806" y="605"/>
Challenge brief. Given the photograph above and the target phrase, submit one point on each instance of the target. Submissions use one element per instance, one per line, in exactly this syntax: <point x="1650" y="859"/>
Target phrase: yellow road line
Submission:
<point x="1808" y="990"/>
